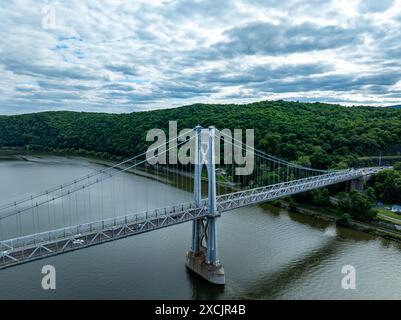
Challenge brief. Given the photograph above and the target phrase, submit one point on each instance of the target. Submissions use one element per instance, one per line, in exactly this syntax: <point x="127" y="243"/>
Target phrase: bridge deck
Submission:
<point x="20" y="250"/>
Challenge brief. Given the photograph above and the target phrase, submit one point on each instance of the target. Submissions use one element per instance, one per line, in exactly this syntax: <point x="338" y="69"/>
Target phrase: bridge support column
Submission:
<point x="357" y="184"/>
<point x="203" y="258"/>
<point x="197" y="224"/>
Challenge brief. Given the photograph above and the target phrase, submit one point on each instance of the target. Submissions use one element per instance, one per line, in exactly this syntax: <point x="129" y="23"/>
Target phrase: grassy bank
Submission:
<point x="330" y="213"/>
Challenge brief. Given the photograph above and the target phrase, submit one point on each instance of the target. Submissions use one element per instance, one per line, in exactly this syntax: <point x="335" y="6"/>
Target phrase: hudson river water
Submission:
<point x="267" y="253"/>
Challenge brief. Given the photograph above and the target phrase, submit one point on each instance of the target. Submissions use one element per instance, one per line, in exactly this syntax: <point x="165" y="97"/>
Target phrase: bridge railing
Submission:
<point x="77" y="231"/>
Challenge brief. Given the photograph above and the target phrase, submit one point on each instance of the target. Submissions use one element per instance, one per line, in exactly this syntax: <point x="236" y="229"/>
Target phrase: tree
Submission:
<point x="358" y="204"/>
<point x="370" y="192"/>
<point x="320" y="159"/>
<point x="270" y="142"/>
<point x="343" y="164"/>
<point x="303" y="161"/>
<point x="344" y="219"/>
<point x="397" y="166"/>
<point x="292" y="205"/>
<point x="344" y="202"/>
<point x="387" y="186"/>
<point x="321" y="197"/>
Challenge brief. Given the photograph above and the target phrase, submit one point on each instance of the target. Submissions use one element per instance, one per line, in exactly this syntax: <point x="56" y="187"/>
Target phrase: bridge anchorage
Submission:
<point x="203" y="258"/>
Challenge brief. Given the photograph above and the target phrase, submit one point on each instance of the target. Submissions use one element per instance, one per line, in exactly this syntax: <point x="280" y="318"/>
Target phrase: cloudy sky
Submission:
<point x="124" y="56"/>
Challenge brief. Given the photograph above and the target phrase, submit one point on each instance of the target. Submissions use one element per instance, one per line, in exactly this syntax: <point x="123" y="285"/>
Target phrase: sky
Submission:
<point x="124" y="56"/>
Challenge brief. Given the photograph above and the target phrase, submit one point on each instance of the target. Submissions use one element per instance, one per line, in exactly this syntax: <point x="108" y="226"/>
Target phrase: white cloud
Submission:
<point x="119" y="56"/>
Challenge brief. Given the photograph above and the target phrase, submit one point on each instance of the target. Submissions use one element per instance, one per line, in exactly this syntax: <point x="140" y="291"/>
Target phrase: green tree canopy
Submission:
<point x="387" y="186"/>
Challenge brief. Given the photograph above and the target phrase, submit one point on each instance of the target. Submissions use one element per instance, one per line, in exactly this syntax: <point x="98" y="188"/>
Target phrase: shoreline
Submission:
<point x="382" y="229"/>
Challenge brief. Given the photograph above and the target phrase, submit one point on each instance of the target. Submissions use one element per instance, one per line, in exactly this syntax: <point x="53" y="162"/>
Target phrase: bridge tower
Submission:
<point x="203" y="258"/>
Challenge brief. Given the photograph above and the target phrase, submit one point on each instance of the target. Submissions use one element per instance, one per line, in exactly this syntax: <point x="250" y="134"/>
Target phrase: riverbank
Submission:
<point x="21" y="152"/>
<point x="379" y="228"/>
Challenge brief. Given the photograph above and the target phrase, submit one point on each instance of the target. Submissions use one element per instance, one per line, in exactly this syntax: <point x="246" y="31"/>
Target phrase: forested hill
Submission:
<point x="315" y="134"/>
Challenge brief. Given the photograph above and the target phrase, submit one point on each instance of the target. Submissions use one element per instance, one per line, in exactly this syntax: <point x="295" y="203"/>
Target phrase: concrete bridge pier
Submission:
<point x="357" y="184"/>
<point x="203" y="258"/>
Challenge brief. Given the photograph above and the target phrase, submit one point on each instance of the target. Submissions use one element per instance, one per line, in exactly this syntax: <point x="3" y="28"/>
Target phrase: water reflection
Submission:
<point x="271" y="285"/>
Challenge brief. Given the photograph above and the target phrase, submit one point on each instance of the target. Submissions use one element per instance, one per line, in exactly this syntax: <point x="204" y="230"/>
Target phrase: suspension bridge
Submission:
<point x="95" y="208"/>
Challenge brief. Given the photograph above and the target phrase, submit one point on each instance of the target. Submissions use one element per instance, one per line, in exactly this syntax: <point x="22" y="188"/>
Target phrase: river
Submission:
<point x="267" y="253"/>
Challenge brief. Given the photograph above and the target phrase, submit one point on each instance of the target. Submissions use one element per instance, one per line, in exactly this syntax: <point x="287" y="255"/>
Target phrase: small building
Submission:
<point x="396" y="208"/>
